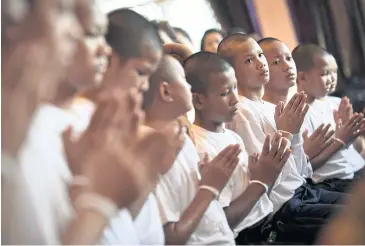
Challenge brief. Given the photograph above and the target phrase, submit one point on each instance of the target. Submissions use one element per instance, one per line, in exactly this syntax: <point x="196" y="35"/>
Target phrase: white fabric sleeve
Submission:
<point x="168" y="200"/>
<point x="301" y="161"/>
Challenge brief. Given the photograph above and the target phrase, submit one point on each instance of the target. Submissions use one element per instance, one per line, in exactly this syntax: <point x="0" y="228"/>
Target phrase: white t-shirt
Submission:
<point x="147" y="226"/>
<point x="19" y="224"/>
<point x="47" y="172"/>
<point x="213" y="143"/>
<point x="262" y="122"/>
<point x="344" y="162"/>
<point x="177" y="189"/>
<point x="148" y="223"/>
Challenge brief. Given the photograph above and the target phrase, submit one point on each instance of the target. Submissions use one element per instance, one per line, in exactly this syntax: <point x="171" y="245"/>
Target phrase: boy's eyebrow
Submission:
<point x="253" y="53"/>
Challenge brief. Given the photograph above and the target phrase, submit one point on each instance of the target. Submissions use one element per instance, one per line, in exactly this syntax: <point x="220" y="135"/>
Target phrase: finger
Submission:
<point x="233" y="163"/>
<point x="227" y="156"/>
<point x="327" y="143"/>
<point x="275" y="144"/>
<point x="329" y="135"/>
<point x="283" y="146"/>
<point x="302" y="102"/>
<point x="66" y="136"/>
<point x="285" y="157"/>
<point x="355" y="120"/>
<point x="338" y="124"/>
<point x="318" y="131"/>
<point x="278" y="110"/>
<point x="206" y="158"/>
<point x="335" y="114"/>
<point x="256" y="156"/>
<point x="96" y="118"/>
<point x="291" y="101"/>
<point x="222" y="154"/>
<point x="297" y="102"/>
<point x="266" y="147"/>
<point x="325" y="130"/>
<point x="304" y="112"/>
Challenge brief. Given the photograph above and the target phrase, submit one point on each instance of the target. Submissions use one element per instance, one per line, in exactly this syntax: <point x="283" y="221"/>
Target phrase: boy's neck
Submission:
<point x="276" y="96"/>
<point x="254" y="94"/>
<point x="65" y="94"/>
<point x="310" y="99"/>
<point x="207" y="124"/>
<point x="158" y="118"/>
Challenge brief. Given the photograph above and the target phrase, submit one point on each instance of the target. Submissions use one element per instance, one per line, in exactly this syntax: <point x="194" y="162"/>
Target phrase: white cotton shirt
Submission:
<point x="213" y="143"/>
<point x="147" y="227"/>
<point x="344" y="162"/>
<point x="148" y="223"/>
<point x="19" y="224"/>
<point x="262" y="122"/>
<point x="46" y="174"/>
<point x="177" y="189"/>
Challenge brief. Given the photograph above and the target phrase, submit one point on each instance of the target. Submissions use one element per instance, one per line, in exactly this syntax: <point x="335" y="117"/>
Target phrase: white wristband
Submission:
<point x="79" y="180"/>
<point x="98" y="203"/>
<point x="260" y="183"/>
<point x="289" y="135"/>
<point x="211" y="189"/>
<point x="339" y="141"/>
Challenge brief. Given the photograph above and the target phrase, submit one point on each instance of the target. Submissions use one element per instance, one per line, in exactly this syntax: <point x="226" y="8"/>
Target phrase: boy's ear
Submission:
<point x="165" y="92"/>
<point x="198" y="101"/>
<point x="301" y="78"/>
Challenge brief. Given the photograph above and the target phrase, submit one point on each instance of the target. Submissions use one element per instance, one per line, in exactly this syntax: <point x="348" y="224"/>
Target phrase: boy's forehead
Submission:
<point x="275" y="48"/>
<point x="324" y="60"/>
<point x="248" y="47"/>
<point x="222" y="79"/>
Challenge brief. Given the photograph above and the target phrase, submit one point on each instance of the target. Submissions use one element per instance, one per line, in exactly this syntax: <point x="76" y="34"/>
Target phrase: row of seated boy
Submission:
<point x="260" y="183"/>
<point x="274" y="194"/>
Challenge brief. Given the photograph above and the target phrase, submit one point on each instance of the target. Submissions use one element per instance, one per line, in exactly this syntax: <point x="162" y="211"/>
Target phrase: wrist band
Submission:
<point x="79" y="180"/>
<point x="260" y="183"/>
<point x="340" y="141"/>
<point x="289" y="137"/>
<point x="211" y="189"/>
<point x="98" y="203"/>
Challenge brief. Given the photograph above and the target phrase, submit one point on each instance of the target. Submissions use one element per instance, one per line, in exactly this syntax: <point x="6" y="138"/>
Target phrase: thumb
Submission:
<point x="66" y="136"/>
<point x="278" y="110"/>
<point x="253" y="158"/>
<point x="305" y="134"/>
<point x="335" y="113"/>
<point x="206" y="158"/>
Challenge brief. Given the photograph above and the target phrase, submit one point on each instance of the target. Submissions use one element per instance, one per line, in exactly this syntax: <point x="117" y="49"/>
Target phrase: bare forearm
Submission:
<point x="360" y="144"/>
<point x="322" y="158"/>
<point x="87" y="228"/>
<point x="178" y="233"/>
<point x="237" y="211"/>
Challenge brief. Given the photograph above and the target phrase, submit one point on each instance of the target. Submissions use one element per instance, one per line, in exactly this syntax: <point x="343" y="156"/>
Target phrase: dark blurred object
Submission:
<point x="235" y="13"/>
<point x="338" y="26"/>
<point x="236" y="29"/>
<point x="348" y="227"/>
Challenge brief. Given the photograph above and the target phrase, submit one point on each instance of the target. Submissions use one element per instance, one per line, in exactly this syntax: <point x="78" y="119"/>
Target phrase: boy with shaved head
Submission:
<point x="317" y="76"/>
<point x="188" y="208"/>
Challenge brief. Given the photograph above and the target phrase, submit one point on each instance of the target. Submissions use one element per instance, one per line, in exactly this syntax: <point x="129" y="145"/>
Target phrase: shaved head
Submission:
<point x="130" y="34"/>
<point x="229" y="45"/>
<point x="166" y="72"/>
<point x="304" y="56"/>
<point x="200" y="66"/>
